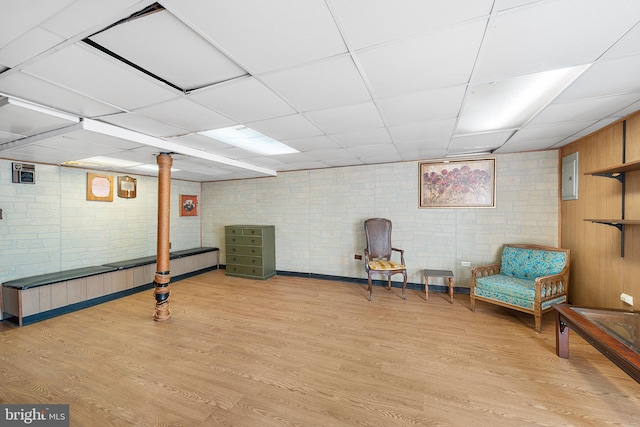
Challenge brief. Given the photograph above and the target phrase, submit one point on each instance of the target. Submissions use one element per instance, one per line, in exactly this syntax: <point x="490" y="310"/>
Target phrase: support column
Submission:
<point x="163" y="275"/>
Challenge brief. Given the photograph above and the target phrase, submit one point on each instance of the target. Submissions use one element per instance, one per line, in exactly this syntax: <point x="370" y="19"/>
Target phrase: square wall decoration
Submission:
<point x="99" y="187"/>
<point x="188" y="205"/>
<point x="458" y="184"/>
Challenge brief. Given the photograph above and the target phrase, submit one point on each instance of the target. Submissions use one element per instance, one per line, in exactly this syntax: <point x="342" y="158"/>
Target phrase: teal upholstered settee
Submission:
<point x="528" y="278"/>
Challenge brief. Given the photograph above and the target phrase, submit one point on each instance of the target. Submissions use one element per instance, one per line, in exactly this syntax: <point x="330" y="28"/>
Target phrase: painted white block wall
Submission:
<point x="319" y="215"/>
<point x="50" y="226"/>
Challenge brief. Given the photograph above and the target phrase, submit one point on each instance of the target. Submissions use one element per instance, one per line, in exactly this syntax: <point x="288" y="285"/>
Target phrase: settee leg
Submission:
<point x="538" y="319"/>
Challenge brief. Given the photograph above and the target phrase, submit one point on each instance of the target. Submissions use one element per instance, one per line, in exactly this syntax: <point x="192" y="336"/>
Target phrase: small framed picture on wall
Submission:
<point x="188" y="205"/>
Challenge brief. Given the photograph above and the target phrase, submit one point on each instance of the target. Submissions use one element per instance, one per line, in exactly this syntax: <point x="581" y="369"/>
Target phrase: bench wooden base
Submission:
<point x="35" y="302"/>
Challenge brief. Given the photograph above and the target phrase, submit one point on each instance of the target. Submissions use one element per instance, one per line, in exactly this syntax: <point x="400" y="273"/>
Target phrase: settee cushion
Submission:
<point x="531" y="263"/>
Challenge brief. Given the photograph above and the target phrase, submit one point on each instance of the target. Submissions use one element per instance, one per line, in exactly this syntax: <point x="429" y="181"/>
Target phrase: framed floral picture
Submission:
<point x="458" y="184"/>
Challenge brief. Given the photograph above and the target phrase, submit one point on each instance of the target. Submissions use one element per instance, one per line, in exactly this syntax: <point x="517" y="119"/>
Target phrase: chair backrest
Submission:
<point x="378" y="233"/>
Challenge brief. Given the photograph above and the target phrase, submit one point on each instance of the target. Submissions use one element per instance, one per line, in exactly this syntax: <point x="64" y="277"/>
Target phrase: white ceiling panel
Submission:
<point x="245" y="100"/>
<point x="365" y="137"/>
<point x="439" y="130"/>
<point x="84" y="70"/>
<point x="370" y="154"/>
<point x="157" y="42"/>
<point x="582" y="110"/>
<point x="20" y="16"/>
<point x="324" y="84"/>
<point x="27" y="46"/>
<point x="480" y="142"/>
<point x="286" y="127"/>
<point x="33" y="89"/>
<point x="558" y="131"/>
<point x="349" y="118"/>
<point x="312" y="144"/>
<point x="185" y="114"/>
<point x="368" y="23"/>
<point x="265" y="36"/>
<point x="441" y="59"/>
<point x="423" y="106"/>
<point x="607" y="77"/>
<point x="143" y="124"/>
<point x="346" y="82"/>
<point x="552" y="34"/>
<point x="16" y="118"/>
<point x="84" y="16"/>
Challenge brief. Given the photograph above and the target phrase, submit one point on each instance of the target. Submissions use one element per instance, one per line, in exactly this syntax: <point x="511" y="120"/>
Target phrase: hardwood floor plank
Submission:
<point x="298" y="352"/>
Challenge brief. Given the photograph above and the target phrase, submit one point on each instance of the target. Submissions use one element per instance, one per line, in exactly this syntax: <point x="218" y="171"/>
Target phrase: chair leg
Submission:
<point x="370" y="289"/>
<point x="538" y="319"/>
<point x="404" y="284"/>
<point x="388" y="282"/>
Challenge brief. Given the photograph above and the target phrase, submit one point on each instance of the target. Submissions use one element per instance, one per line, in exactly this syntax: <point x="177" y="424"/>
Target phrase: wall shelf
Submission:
<point x="618" y="172"/>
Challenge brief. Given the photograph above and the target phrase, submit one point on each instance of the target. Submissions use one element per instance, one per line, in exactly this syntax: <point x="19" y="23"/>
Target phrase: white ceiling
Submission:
<point x="345" y="82"/>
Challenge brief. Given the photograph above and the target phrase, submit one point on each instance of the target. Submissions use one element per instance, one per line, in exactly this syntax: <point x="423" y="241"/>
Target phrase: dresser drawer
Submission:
<point x="243" y="231"/>
<point x="244" y="260"/>
<point x="245" y="271"/>
<point x="244" y="240"/>
<point x="244" y="250"/>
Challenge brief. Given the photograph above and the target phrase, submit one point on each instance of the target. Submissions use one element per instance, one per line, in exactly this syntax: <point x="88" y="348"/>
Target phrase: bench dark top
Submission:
<point x="78" y="273"/>
<point x="60" y="276"/>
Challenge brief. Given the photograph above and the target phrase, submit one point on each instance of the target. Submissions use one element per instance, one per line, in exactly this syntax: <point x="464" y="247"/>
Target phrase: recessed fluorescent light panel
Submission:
<point x="249" y="139"/>
<point x="512" y="102"/>
<point x="102" y="162"/>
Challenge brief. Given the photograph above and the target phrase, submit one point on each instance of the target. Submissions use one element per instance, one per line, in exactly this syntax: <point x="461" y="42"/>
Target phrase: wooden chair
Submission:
<point x="377" y="255"/>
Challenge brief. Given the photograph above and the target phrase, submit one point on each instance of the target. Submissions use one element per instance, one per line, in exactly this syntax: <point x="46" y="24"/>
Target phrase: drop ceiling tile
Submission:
<point x="8" y="137"/>
<point x="199" y="142"/>
<point x="143" y="124"/>
<point x="329" y="154"/>
<point x="370" y="154"/>
<point x="36" y="90"/>
<point x="348" y="118"/>
<point x="583" y="110"/>
<point x="606" y="77"/>
<point x="20" y="16"/>
<point x="161" y="44"/>
<point x="597" y="126"/>
<point x="323" y="84"/>
<point x="439" y="130"/>
<point x="558" y="131"/>
<point x="88" y="16"/>
<point x="628" y="45"/>
<point x="286" y="127"/>
<point x="264" y="36"/>
<point x="479" y="142"/>
<point x="28" y="45"/>
<point x="368" y="23"/>
<point x="310" y="144"/>
<point x="424" y="106"/>
<point x="423" y="151"/>
<point x="364" y="137"/>
<point x="185" y="114"/>
<point x="36" y="153"/>
<point x="436" y="60"/>
<point x="514" y="44"/>
<point x="82" y="69"/>
<point x="16" y="119"/>
<point x="245" y="100"/>
<point x="529" y="145"/>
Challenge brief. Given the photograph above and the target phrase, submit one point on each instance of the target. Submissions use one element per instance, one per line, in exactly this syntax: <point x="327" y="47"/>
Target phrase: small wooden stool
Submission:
<point x="447" y="274"/>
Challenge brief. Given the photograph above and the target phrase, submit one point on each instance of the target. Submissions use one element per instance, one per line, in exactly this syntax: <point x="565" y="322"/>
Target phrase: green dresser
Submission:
<point x="251" y="251"/>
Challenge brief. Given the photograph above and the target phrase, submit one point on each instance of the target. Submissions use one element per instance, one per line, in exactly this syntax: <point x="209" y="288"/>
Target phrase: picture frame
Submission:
<point x="458" y="184"/>
<point x="127" y="187"/>
<point x="99" y="187"/>
<point x="188" y="205"/>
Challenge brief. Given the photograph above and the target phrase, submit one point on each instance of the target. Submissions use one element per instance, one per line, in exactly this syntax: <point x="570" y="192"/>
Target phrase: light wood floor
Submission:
<point x="302" y="352"/>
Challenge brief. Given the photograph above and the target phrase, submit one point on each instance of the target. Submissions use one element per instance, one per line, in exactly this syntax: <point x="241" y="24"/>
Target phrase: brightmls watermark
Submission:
<point x="34" y="415"/>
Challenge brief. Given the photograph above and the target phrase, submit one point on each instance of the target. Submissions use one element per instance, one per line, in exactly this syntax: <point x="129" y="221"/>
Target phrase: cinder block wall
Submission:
<point x="50" y="226"/>
<point x="319" y="215"/>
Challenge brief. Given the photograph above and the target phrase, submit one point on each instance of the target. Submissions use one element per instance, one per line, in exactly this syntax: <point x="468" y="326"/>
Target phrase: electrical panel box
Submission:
<point x="23" y="173"/>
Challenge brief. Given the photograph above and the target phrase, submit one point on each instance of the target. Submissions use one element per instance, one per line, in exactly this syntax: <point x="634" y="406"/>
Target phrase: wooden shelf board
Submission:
<point x="621" y="168"/>
<point x="616" y="221"/>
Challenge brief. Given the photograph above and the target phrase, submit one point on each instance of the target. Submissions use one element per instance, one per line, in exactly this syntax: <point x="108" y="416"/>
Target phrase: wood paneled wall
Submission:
<point x="598" y="273"/>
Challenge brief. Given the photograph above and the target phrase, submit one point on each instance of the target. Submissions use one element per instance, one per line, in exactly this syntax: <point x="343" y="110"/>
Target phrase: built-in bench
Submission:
<point x="35" y="298"/>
